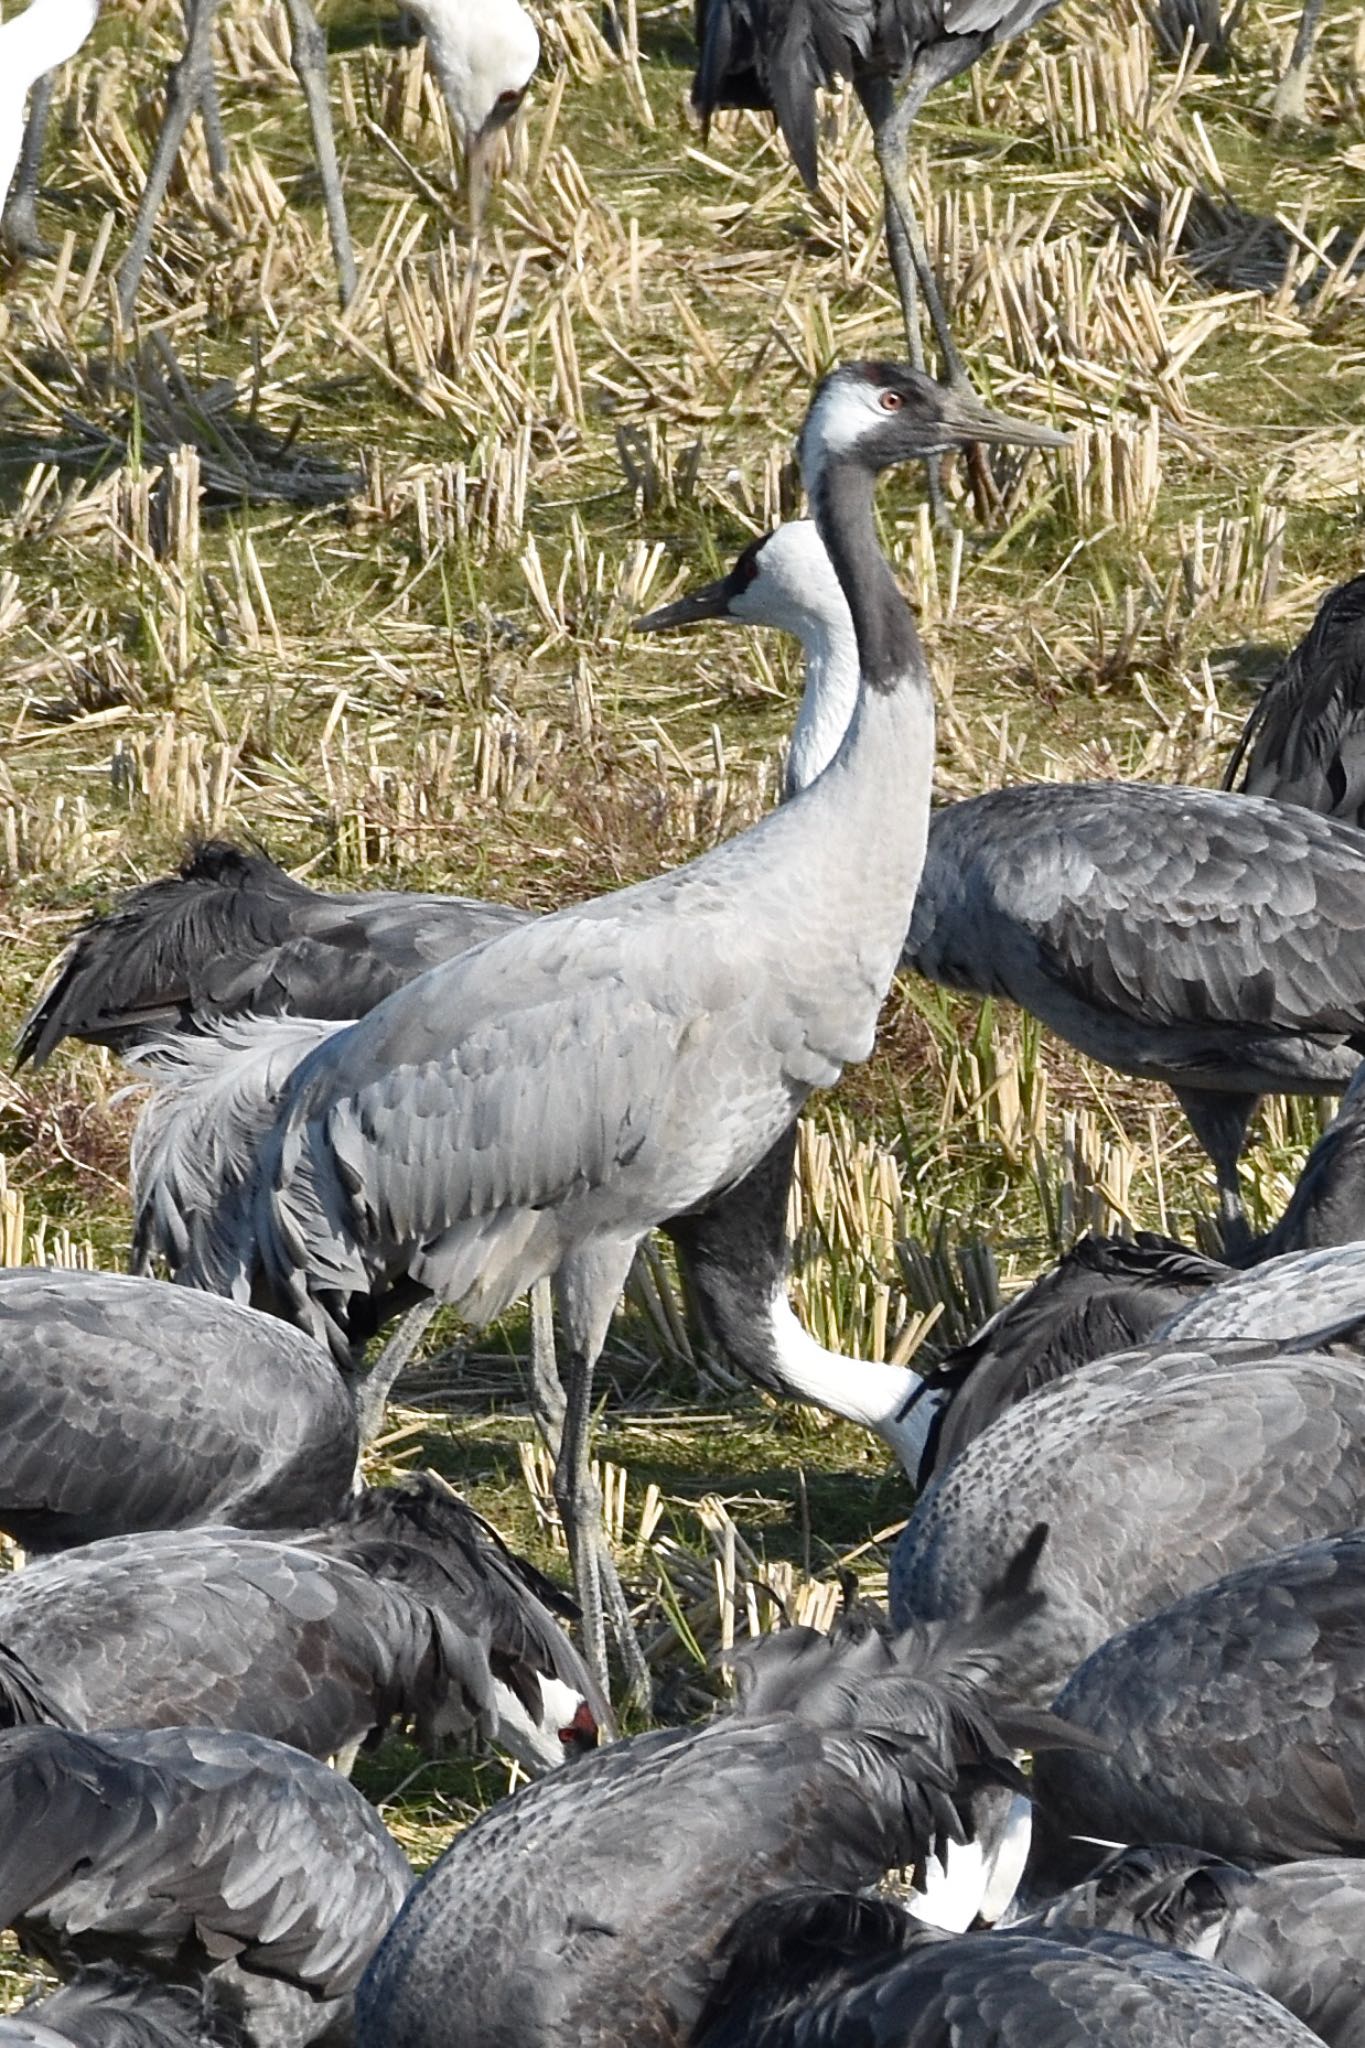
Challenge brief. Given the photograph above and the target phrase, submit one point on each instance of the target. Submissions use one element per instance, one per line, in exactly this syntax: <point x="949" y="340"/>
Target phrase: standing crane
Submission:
<point x="484" y="58"/>
<point x="776" y="54"/>
<point x="1304" y="741"/>
<point x="32" y="45"/>
<point x="538" y="1104"/>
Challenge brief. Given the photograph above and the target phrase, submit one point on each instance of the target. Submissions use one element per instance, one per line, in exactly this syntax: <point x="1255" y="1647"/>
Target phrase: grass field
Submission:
<point x="360" y="585"/>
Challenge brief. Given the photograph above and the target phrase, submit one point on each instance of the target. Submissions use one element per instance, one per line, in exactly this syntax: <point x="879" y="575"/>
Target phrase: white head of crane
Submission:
<point x="485" y="57"/>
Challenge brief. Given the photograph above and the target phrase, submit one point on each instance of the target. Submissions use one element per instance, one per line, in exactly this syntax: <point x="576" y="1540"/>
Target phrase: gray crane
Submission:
<point x="233" y="934"/>
<point x="587" y="1908"/>
<point x="1327" y="1206"/>
<point x="775" y="54"/>
<point x="1211" y="941"/>
<point x="200" y="1858"/>
<point x="1230" y="1720"/>
<point x="815" y="1968"/>
<point x="537" y="1104"/>
<point x="127" y="1404"/>
<point x="387" y="1615"/>
<point x="107" y="2008"/>
<point x="484" y="59"/>
<point x="1291" y="1929"/>
<point x="1156" y="1471"/>
<point x="1305" y="739"/>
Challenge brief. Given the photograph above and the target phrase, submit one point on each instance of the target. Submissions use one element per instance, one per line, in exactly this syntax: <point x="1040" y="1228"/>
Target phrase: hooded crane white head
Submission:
<point x="485" y="54"/>
<point x="32" y="44"/>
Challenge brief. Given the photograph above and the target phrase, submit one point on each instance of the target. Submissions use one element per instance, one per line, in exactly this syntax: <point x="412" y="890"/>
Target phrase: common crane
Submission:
<point x="386" y="1615"/>
<point x="1291" y="1929"/>
<point x="777" y="53"/>
<point x="1305" y="739"/>
<point x="198" y="1856"/>
<point x="1230" y="1719"/>
<point x="592" y="1914"/>
<point x="537" y="1104"/>
<point x="1156" y="1471"/>
<point x="815" y="1968"/>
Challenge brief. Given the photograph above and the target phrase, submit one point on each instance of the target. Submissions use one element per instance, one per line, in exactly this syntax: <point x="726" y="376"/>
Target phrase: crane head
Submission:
<point x="485" y="57"/>
<point x="783" y="579"/>
<point x="875" y="414"/>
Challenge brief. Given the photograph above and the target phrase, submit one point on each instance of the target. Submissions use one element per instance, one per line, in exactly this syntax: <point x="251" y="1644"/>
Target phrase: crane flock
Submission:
<point x="1108" y="1732"/>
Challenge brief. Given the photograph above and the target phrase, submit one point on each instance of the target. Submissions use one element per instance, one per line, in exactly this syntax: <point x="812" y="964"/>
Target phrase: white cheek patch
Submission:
<point x="844" y="415"/>
<point x="1005" y="1866"/>
<point x="535" y="1744"/>
<point x="953" y="1888"/>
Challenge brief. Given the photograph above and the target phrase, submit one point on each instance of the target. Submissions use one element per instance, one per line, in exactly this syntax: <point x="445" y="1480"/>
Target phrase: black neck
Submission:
<point x="888" y="645"/>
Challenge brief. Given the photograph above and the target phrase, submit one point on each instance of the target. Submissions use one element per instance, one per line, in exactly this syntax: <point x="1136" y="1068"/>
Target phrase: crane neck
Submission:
<point x="46" y="34"/>
<point x="889" y="650"/>
<point x="830" y="696"/>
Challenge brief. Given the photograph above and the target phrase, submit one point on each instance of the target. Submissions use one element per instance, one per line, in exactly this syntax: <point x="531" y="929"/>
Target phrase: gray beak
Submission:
<point x="482" y="153"/>
<point x="967" y="419"/>
<point x="712" y="601"/>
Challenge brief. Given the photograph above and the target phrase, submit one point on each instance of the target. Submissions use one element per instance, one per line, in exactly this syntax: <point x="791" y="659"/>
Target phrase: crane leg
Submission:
<point x="589" y="1286"/>
<point x="309" y="50"/>
<point x="211" y="114"/>
<point x="20" y="223"/>
<point x="378" y="1384"/>
<point x="1290" y="105"/>
<point x="891" y="125"/>
<point x="186" y="85"/>
<point x="1219" y="1121"/>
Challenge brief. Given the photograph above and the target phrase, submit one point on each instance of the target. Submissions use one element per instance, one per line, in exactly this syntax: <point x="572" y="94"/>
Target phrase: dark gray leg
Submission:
<point x="186" y="85"/>
<point x="1220" y="1123"/>
<point x="20" y="223"/>
<point x="891" y="125"/>
<point x="211" y="114"/>
<point x="373" y="1396"/>
<point x="547" y="1394"/>
<point x="310" y="66"/>
<point x="1291" y="94"/>
<point x="589" y="1287"/>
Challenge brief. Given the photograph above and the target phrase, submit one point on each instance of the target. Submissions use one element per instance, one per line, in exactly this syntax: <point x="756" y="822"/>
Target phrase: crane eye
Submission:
<point x="510" y="98"/>
<point x="891" y="401"/>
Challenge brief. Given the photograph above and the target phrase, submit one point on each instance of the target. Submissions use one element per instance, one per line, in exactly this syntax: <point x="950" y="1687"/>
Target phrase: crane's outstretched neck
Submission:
<point x="889" y="650"/>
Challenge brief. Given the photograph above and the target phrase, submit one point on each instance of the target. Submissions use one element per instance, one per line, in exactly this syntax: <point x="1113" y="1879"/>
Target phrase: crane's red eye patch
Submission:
<point x="581" y="1732"/>
<point x="510" y="98"/>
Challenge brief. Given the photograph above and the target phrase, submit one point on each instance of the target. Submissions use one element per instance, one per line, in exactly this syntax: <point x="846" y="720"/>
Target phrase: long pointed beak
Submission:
<point x="481" y="156"/>
<point x="966" y="416"/>
<point x="712" y="601"/>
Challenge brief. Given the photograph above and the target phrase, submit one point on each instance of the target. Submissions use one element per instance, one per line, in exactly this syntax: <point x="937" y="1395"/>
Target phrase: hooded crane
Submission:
<point x="776" y="54"/>
<point x="1231" y="1719"/>
<point x="1210" y="941"/>
<point x="46" y="34"/>
<point x="592" y="1916"/>
<point x="1156" y="1471"/>
<point x="321" y="1642"/>
<point x="201" y="1858"/>
<point x="1305" y="739"/>
<point x="127" y="1404"/>
<point x="536" y="1105"/>
<point x="1292" y="1930"/>
<point x="823" y="1969"/>
<point x="484" y="58"/>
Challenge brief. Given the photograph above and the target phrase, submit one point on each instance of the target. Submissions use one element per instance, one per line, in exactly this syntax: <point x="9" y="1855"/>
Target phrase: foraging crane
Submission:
<point x="46" y="34"/>
<point x="484" y="58"/>
<point x="815" y="1968"/>
<point x="1230" y="1720"/>
<point x="1305" y="739"/>
<point x="384" y="1616"/>
<point x="198" y="1857"/>
<point x="1156" y="1471"/>
<point x="777" y="53"/>
<point x="1210" y="941"/>
<point x="536" y="1105"/>
<point x="587" y="1910"/>
<point x="1291" y="1929"/>
<point x="127" y="1405"/>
